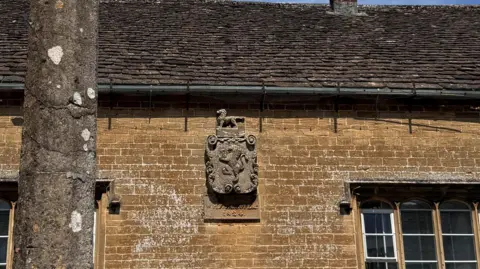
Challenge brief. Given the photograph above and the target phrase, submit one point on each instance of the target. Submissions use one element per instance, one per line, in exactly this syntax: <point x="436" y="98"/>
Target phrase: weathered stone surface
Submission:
<point x="229" y="126"/>
<point x="240" y="207"/>
<point x="58" y="158"/>
<point x="231" y="158"/>
<point x="159" y="169"/>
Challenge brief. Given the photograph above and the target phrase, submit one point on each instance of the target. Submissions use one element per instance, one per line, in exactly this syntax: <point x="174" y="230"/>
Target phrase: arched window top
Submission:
<point x="415" y="205"/>
<point x="4" y="205"/>
<point x="375" y="204"/>
<point x="454" y="205"/>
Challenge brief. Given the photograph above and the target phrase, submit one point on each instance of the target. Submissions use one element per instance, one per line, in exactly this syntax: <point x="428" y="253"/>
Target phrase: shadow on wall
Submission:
<point x="434" y="128"/>
<point x="374" y="108"/>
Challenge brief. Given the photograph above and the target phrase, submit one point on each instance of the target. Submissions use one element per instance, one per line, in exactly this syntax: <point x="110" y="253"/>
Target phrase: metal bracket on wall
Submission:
<point x="335" y="117"/>
<point x="410" y="100"/>
<point x="262" y="107"/>
<point x="150" y="106"/>
<point x="187" y="106"/>
<point x="110" y="94"/>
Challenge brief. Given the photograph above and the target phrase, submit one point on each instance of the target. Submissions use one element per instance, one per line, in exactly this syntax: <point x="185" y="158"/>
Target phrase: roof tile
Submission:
<point x="240" y="43"/>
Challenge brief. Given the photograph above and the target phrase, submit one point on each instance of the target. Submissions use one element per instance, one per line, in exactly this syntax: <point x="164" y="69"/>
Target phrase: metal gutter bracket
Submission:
<point x="187" y="106"/>
<point x="410" y="100"/>
<point x="110" y="94"/>
<point x="150" y="106"/>
<point x="335" y="106"/>
<point x="262" y="107"/>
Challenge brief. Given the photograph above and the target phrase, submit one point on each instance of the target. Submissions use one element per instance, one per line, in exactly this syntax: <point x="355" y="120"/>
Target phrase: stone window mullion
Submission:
<point x="476" y="228"/>
<point x="10" y="236"/>
<point x="399" y="241"/>
<point x="438" y="236"/>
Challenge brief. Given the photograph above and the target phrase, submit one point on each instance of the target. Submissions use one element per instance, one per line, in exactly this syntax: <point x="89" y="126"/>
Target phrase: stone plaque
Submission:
<point x="225" y="210"/>
<point x="231" y="171"/>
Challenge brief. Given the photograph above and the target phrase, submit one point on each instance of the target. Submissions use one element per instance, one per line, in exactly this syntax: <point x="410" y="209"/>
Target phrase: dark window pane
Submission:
<point x="419" y="248"/>
<point x="387" y="225"/>
<point x="453" y="205"/>
<point x="377" y="223"/>
<point x="415" y="204"/>
<point x="370" y="223"/>
<point x="4" y="216"/>
<point x="3" y="250"/>
<point x="456" y="222"/>
<point x="375" y="246"/>
<point x="390" y="249"/>
<point x="380" y="265"/>
<point x="420" y="265"/>
<point x="375" y="205"/>
<point x="392" y="265"/>
<point x="458" y="265"/>
<point x="375" y="265"/>
<point x="459" y="248"/>
<point x="417" y="222"/>
<point x="4" y="205"/>
<point x="3" y="267"/>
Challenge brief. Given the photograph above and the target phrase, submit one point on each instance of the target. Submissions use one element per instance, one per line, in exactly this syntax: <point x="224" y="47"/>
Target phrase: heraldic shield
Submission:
<point x="231" y="157"/>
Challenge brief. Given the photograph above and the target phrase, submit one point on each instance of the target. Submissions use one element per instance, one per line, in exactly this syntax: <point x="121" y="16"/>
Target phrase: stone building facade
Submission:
<point x="366" y="126"/>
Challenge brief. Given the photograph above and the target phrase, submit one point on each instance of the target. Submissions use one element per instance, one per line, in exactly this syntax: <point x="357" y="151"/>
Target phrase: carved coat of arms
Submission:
<point x="231" y="158"/>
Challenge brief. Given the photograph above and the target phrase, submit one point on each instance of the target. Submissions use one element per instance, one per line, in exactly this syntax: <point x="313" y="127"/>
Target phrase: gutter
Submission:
<point x="184" y="89"/>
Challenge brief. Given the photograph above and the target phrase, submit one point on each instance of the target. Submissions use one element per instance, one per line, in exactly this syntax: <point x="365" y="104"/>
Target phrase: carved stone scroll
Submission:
<point x="231" y="170"/>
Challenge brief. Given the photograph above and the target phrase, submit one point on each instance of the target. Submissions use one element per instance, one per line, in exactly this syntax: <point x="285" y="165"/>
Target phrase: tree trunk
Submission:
<point x="54" y="220"/>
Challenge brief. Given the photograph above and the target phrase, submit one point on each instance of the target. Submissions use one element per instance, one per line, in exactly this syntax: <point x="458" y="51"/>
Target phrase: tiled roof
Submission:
<point x="238" y="43"/>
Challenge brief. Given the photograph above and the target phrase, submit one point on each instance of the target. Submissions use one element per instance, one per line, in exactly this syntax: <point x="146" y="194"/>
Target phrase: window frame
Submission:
<point x="98" y="233"/>
<point x="476" y="231"/>
<point x="431" y="210"/>
<point x="101" y="211"/>
<point x="442" y="234"/>
<point x="9" y="257"/>
<point x="395" y="218"/>
<point x="364" y="235"/>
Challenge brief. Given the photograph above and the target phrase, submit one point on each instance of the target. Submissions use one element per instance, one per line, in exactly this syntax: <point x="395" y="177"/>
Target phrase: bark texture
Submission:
<point x="54" y="223"/>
